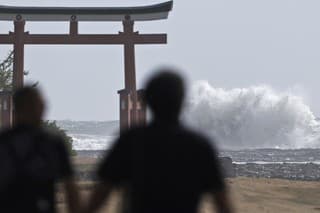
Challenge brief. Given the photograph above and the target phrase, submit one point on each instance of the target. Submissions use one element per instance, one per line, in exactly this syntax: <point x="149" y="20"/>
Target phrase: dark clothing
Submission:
<point x="31" y="161"/>
<point x="165" y="168"/>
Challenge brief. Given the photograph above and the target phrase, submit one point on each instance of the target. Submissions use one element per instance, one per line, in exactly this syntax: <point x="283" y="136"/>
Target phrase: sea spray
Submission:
<point x="91" y="142"/>
<point x="254" y="117"/>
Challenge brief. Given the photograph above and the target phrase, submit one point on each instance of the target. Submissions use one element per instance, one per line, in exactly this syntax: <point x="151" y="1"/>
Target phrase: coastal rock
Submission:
<point x="291" y="171"/>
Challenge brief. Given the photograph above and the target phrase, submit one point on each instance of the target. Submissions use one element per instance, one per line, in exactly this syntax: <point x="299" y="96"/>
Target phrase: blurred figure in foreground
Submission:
<point x="162" y="167"/>
<point x="32" y="160"/>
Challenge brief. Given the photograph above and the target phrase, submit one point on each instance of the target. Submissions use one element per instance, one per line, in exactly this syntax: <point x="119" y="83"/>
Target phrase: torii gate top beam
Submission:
<point x="142" y="13"/>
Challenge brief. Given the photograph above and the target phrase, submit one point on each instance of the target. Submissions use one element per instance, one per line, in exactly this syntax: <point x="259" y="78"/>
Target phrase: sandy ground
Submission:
<point x="272" y="195"/>
<point x="249" y="195"/>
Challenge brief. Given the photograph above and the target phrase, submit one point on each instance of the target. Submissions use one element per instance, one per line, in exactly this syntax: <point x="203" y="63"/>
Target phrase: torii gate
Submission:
<point x="132" y="109"/>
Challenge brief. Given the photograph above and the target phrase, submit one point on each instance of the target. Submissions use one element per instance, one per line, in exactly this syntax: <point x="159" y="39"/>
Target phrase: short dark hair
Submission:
<point x="25" y="97"/>
<point x="165" y="93"/>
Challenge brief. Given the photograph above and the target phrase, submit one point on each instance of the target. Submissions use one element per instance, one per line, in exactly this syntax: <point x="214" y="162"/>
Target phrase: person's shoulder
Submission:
<point x="53" y="141"/>
<point x="194" y="135"/>
<point x="198" y="139"/>
<point x="6" y="134"/>
<point x="131" y="136"/>
<point x="134" y="132"/>
<point x="51" y="136"/>
<point x="5" y="131"/>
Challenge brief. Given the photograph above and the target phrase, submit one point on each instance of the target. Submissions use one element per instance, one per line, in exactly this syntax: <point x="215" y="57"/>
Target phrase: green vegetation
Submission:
<point x="6" y="71"/>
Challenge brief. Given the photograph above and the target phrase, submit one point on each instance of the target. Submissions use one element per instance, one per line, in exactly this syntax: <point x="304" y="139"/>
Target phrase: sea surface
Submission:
<point x="91" y="135"/>
<point x="266" y="133"/>
<point x="93" y="139"/>
<point x="95" y="136"/>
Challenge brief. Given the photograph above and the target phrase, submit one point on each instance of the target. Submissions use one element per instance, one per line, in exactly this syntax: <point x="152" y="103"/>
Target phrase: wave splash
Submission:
<point x="91" y="142"/>
<point x="254" y="117"/>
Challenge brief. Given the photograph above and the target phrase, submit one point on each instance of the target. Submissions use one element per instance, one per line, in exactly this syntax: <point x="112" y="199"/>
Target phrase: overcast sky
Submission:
<point x="230" y="44"/>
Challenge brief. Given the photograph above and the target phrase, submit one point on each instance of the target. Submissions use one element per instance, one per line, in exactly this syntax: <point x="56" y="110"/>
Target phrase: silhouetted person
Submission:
<point x="163" y="167"/>
<point x="32" y="160"/>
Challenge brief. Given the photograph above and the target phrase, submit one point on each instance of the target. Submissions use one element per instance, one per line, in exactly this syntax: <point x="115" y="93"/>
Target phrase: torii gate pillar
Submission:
<point x="132" y="107"/>
<point x="127" y="112"/>
<point x="18" y="51"/>
<point x="5" y="109"/>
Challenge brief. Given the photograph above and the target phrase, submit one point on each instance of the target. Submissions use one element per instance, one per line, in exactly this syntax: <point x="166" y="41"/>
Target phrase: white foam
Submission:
<point x="254" y="117"/>
<point x="91" y="142"/>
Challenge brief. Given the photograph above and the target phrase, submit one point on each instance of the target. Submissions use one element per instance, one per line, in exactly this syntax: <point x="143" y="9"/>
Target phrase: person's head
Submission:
<point x="28" y="105"/>
<point x="164" y="94"/>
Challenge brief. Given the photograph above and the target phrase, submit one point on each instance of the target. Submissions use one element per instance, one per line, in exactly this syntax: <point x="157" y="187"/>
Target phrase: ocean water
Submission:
<point x="92" y="139"/>
<point x="91" y="142"/>
<point x="95" y="145"/>
<point x="254" y="124"/>
<point x="91" y="135"/>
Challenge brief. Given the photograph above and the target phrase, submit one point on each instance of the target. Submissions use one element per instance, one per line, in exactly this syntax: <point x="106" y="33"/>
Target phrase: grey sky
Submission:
<point x="228" y="43"/>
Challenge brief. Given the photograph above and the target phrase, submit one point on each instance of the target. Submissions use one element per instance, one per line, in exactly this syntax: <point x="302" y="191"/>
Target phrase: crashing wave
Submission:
<point x="254" y="117"/>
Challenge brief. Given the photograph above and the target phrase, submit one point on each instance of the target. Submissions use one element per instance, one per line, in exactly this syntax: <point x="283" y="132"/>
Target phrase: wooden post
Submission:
<point x="73" y="26"/>
<point x="142" y="108"/>
<point x="125" y="107"/>
<point x="18" y="58"/>
<point x="5" y="109"/>
<point x="130" y="70"/>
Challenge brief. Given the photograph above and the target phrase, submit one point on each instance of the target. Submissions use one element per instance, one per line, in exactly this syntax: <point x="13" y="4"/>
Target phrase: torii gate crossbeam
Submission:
<point x="132" y="110"/>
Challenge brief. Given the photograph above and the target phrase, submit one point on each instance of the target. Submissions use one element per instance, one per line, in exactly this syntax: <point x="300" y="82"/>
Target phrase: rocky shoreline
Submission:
<point x="290" y="171"/>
